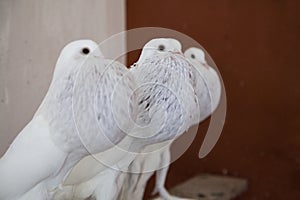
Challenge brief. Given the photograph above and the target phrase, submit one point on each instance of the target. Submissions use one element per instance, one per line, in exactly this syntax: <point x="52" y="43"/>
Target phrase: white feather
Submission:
<point x="208" y="90"/>
<point x="43" y="153"/>
<point x="166" y="107"/>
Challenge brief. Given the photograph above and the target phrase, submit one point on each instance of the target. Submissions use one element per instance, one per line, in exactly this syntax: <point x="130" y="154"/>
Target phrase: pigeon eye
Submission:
<point x="161" y="47"/>
<point x="85" y="51"/>
<point x="193" y="56"/>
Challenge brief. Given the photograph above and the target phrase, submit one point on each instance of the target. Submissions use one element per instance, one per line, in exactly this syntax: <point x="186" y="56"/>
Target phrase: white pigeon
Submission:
<point x="211" y="79"/>
<point x="165" y="93"/>
<point x="47" y="148"/>
<point x="208" y="90"/>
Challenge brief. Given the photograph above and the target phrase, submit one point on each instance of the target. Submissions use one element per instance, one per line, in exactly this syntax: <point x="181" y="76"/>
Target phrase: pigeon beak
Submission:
<point x="97" y="53"/>
<point x="205" y="65"/>
<point x="178" y="53"/>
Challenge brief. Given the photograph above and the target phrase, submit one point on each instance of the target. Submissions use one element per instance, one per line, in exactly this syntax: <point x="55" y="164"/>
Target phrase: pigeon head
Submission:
<point x="74" y="54"/>
<point x="160" y="46"/>
<point x="196" y="55"/>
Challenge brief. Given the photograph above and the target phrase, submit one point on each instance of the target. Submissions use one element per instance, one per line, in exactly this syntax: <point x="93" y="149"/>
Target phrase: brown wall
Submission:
<point x="255" y="45"/>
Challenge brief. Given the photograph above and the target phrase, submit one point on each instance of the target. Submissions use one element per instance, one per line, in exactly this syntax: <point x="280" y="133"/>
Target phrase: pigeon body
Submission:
<point x="208" y="83"/>
<point x="43" y="153"/>
<point x="208" y="91"/>
<point x="166" y="89"/>
<point x="166" y="107"/>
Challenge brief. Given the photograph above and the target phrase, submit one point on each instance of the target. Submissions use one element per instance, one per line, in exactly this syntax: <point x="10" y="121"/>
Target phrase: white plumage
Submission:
<point x="43" y="153"/>
<point x="166" y="107"/>
<point x="208" y="90"/>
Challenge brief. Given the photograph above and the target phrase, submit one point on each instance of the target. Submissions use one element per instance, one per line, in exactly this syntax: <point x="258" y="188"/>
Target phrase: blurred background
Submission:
<point x="254" y="44"/>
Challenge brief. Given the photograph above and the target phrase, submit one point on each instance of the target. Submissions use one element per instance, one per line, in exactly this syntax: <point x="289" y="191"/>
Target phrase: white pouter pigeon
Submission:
<point x="60" y="132"/>
<point x="208" y="90"/>
<point x="165" y="93"/>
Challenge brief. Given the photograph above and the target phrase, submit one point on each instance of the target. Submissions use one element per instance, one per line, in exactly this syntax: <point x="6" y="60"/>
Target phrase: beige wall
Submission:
<point x="32" y="33"/>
